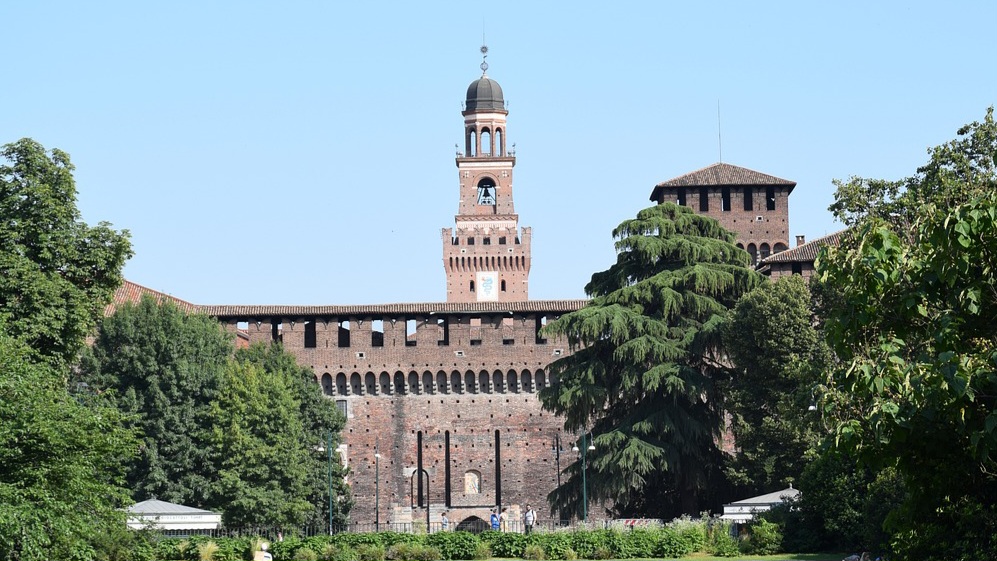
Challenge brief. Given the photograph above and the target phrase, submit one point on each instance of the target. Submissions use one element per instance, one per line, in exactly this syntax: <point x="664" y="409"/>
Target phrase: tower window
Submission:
<point x="704" y="199"/>
<point x="470" y="241"/>
<point x="486" y="241"/>
<point x="770" y="198"/>
<point x="503" y="286"/>
<point x="725" y="199"/>
<point x="501" y="240"/>
<point x="681" y="196"/>
<point x="486" y="191"/>
<point x="472" y="286"/>
<point x="749" y="204"/>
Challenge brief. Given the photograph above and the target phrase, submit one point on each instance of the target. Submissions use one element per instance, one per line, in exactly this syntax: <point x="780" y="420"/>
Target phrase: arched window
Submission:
<point x="503" y="285"/>
<point x="399" y="387"/>
<point x="753" y="252"/>
<point x="341" y="388"/>
<point x="486" y="191"/>
<point x="355" y="388"/>
<point x="472" y="143"/>
<point x="385" y="381"/>
<point x="486" y="142"/>
<point x="513" y="381"/>
<point x="484" y="383"/>
<point x="327" y="384"/>
<point x="499" y="144"/>
<point x="779" y="248"/>
<point x="413" y="381"/>
<point x="472" y="482"/>
<point x="441" y="381"/>
<point x="427" y="382"/>
<point x="469" y="382"/>
<point x="370" y="381"/>
<point x="764" y="251"/>
<point x="541" y="380"/>
<point x="527" y="381"/>
<point x="455" y="381"/>
<point x="497" y="380"/>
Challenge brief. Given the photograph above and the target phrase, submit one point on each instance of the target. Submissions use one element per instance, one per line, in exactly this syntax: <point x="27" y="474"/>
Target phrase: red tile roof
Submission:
<point x="806" y="252"/>
<point x="421" y="308"/>
<point x="131" y="292"/>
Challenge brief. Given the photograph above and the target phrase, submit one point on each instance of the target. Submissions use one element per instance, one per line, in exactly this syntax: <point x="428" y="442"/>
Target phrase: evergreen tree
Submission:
<point x="643" y="376"/>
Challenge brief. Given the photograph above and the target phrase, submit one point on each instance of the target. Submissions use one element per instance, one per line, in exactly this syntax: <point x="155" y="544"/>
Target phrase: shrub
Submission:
<point x="482" y="551"/>
<point x="454" y="545"/>
<point x="671" y="545"/>
<point x="336" y="552"/>
<point x="534" y="552"/>
<point x="570" y="555"/>
<point x="764" y="538"/>
<point x="305" y="554"/>
<point x="691" y="532"/>
<point x="637" y="544"/>
<point x="602" y="552"/>
<point x="505" y="544"/>
<point x="367" y="552"/>
<point x="206" y="551"/>
<point x="556" y="544"/>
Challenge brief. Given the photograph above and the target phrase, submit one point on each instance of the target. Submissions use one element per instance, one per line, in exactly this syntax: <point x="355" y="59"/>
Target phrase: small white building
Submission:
<point x="162" y="515"/>
<point x="744" y="510"/>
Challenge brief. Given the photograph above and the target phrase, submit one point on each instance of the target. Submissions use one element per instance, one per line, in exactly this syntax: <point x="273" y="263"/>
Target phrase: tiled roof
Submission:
<point x="424" y="308"/>
<point x="806" y="252"/>
<point x="720" y="174"/>
<point x="131" y="292"/>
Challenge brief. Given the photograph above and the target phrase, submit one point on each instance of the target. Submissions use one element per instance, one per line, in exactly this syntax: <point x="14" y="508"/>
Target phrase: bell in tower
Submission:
<point x="486" y="257"/>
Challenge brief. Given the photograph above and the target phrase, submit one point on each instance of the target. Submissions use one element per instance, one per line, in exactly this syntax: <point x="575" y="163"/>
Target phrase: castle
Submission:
<point x="441" y="398"/>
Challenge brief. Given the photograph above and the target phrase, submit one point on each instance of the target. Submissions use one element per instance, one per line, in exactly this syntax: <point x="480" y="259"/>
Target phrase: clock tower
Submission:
<point x="486" y="257"/>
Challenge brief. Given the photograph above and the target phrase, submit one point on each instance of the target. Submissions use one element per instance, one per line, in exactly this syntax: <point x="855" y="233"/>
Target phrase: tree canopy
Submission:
<point x="58" y="272"/>
<point x="227" y="430"/>
<point x="778" y="357"/>
<point x="643" y="376"/>
<point x="913" y="322"/>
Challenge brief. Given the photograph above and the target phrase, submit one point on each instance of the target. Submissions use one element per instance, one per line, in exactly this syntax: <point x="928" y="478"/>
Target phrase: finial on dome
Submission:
<point x="484" y="62"/>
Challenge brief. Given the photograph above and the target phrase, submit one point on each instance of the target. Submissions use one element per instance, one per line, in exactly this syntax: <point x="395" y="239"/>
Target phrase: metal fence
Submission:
<point x="417" y="527"/>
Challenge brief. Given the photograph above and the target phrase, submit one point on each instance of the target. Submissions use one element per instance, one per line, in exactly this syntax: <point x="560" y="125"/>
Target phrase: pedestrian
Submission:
<point x="494" y="519"/>
<point x="445" y="522"/>
<point x="529" y="519"/>
<point x="504" y="520"/>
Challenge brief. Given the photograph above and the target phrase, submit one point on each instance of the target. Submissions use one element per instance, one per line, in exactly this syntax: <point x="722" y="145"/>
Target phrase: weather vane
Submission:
<point x="484" y="63"/>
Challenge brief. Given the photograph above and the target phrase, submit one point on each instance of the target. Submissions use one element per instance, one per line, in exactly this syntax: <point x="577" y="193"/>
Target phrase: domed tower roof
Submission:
<point x="484" y="94"/>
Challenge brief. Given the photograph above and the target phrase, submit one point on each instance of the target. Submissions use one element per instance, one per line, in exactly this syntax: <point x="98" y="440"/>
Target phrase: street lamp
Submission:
<point x="591" y="446"/>
<point x="377" y="490"/>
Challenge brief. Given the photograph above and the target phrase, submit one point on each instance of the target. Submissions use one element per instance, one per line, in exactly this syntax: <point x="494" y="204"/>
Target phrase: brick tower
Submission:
<point x="486" y="257"/>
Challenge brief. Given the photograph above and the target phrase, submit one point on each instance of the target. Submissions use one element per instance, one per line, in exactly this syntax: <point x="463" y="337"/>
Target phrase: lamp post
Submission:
<point x="586" y="438"/>
<point x="377" y="490"/>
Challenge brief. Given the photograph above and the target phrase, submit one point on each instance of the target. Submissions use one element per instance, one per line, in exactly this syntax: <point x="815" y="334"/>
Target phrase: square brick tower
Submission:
<point x="487" y="256"/>
<point x="753" y="205"/>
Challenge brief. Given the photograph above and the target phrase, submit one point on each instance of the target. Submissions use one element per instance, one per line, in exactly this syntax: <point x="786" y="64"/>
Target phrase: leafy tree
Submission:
<point x="58" y="273"/>
<point x="778" y="357"/>
<point x="913" y="322"/>
<point x="257" y="447"/>
<point x="165" y="367"/>
<point x="644" y="373"/>
<point x="320" y="420"/>
<point x="61" y="483"/>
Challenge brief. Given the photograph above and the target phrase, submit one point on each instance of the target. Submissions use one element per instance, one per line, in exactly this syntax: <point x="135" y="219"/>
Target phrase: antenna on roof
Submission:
<point x="720" y="138"/>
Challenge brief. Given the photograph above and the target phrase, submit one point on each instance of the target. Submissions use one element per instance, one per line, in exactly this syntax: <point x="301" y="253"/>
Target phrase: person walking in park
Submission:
<point x="444" y="522"/>
<point x="494" y="519"/>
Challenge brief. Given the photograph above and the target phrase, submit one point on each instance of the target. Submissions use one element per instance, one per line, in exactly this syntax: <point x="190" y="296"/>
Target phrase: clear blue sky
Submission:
<point x="302" y="152"/>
